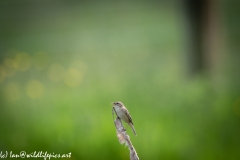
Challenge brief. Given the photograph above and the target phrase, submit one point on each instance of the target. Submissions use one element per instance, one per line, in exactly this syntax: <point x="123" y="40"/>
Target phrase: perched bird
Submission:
<point x="122" y="112"/>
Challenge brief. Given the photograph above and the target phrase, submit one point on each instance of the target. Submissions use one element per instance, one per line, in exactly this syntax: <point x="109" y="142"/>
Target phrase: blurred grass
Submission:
<point x="56" y="96"/>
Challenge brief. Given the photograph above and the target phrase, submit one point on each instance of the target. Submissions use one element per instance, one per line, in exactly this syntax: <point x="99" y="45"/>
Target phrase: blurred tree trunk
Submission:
<point x="204" y="38"/>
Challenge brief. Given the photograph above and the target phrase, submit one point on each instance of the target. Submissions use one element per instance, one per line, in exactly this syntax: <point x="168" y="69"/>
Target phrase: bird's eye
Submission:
<point x="117" y="103"/>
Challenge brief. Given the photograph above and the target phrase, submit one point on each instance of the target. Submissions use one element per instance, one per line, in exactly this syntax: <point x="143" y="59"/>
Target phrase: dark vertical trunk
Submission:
<point x="196" y="14"/>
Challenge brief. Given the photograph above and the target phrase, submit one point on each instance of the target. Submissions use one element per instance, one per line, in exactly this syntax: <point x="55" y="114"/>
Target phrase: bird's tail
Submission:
<point x="131" y="125"/>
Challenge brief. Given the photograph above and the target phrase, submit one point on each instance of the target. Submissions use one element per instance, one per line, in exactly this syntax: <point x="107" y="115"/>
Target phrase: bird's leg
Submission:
<point x="126" y="128"/>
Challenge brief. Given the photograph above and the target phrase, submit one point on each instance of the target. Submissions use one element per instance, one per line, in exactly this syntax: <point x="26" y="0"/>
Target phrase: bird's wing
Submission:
<point x="128" y="115"/>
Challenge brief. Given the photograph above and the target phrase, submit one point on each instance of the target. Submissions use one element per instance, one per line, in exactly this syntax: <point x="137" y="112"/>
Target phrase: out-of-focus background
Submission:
<point x="174" y="64"/>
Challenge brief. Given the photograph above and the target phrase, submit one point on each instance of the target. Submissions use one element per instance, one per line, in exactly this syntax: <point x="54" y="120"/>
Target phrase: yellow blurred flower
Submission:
<point x="56" y="72"/>
<point x="80" y="65"/>
<point x="9" y="66"/>
<point x="35" y="89"/>
<point x="73" y="77"/>
<point x="22" y="62"/>
<point x="2" y="74"/>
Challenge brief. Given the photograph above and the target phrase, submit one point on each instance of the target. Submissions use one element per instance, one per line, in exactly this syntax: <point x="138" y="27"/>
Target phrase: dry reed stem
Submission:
<point x="124" y="138"/>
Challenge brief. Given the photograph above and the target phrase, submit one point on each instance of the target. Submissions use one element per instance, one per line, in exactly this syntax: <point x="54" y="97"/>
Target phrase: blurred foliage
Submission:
<point x="62" y="64"/>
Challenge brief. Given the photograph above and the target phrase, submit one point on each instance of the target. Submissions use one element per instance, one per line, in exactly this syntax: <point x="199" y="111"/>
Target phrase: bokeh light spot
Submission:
<point x="2" y="74"/>
<point x="41" y="60"/>
<point x="9" y="66"/>
<point x="12" y="91"/>
<point x="22" y="61"/>
<point x="56" y="72"/>
<point x="73" y="77"/>
<point x="35" y="89"/>
<point x="79" y="65"/>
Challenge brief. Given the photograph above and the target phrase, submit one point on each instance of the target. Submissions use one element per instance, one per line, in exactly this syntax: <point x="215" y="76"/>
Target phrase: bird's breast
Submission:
<point x="121" y="114"/>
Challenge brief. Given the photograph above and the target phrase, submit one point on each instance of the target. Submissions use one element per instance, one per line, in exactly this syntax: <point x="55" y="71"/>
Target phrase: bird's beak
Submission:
<point x="113" y="103"/>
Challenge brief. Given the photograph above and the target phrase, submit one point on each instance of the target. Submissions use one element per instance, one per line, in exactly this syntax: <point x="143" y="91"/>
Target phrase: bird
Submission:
<point x="122" y="113"/>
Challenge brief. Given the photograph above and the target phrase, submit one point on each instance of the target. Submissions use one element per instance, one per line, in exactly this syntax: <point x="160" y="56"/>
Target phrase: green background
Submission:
<point x="64" y="62"/>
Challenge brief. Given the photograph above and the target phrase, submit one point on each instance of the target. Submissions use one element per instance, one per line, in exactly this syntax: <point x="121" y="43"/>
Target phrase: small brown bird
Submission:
<point x="122" y="112"/>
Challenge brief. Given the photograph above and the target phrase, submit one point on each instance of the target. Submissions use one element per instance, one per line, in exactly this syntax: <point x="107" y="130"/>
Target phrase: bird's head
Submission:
<point x="117" y="104"/>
